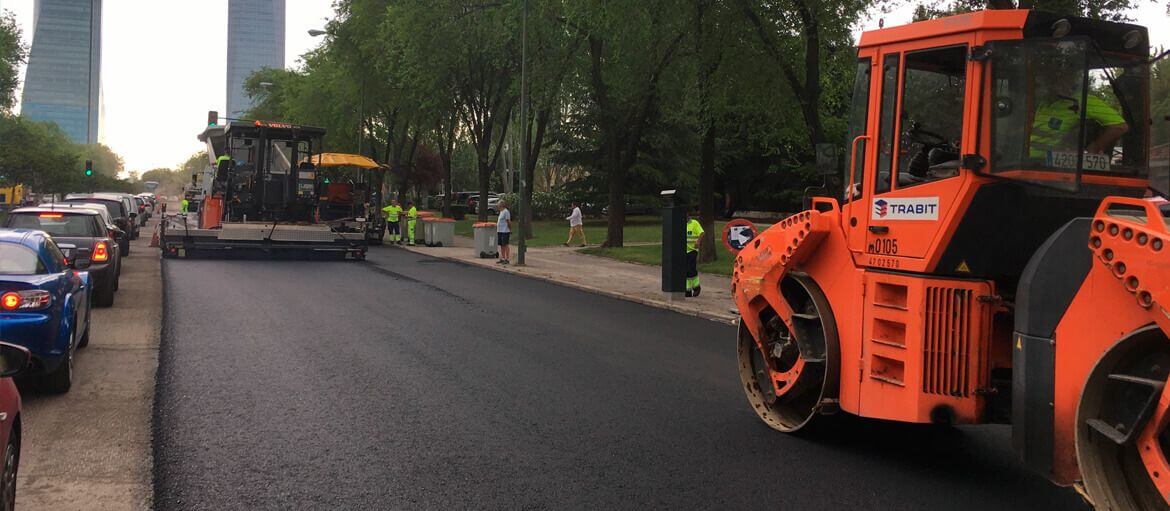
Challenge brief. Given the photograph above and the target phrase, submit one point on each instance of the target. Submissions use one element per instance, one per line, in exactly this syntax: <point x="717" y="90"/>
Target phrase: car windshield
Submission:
<point x="16" y="259"/>
<point x="1064" y="106"/>
<point x="56" y="224"/>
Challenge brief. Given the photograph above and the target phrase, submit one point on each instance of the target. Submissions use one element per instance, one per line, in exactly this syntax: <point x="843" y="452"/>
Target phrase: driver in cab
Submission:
<point x="1056" y="126"/>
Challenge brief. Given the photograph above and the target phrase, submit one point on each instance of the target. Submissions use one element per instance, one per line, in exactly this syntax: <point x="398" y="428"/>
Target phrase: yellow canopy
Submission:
<point x="344" y="160"/>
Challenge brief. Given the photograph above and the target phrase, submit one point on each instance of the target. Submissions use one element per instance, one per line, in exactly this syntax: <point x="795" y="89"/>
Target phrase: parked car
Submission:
<point x="13" y="361"/>
<point x="143" y="212"/>
<point x="493" y="203"/>
<point x="82" y="228"/>
<point x="121" y="209"/>
<point x="120" y="236"/>
<point x="44" y="302"/>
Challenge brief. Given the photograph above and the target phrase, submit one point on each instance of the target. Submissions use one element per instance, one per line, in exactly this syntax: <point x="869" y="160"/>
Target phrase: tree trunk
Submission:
<point x="532" y="148"/>
<point x="707" y="194"/>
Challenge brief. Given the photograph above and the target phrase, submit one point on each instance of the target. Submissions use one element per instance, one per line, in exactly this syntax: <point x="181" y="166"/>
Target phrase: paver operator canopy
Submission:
<point x="268" y="174"/>
<point x="991" y="258"/>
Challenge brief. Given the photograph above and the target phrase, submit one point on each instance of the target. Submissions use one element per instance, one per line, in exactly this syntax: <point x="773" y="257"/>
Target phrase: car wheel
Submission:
<point x="61" y="380"/>
<point x="11" y="466"/>
<point x="104" y="296"/>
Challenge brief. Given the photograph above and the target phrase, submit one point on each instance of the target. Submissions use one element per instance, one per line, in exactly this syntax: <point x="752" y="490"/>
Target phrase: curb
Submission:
<point x="728" y="318"/>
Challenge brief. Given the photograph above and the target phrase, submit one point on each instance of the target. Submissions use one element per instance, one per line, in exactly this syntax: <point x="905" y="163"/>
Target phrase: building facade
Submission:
<point x="63" y="81"/>
<point x="255" y="41"/>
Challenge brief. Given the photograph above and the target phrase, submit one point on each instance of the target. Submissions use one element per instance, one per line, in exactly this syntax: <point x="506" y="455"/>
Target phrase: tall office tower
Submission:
<point x="255" y="40"/>
<point x="63" y="80"/>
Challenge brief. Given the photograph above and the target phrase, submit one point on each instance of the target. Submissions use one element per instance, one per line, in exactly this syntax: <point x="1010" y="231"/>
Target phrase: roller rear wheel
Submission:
<point x="1123" y="438"/>
<point x="790" y="374"/>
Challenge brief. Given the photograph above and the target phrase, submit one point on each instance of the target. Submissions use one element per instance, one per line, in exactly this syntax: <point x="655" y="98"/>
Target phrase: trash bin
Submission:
<point x="418" y="227"/>
<point x="425" y="223"/>
<point x="485" y="240"/>
<point x="442" y="232"/>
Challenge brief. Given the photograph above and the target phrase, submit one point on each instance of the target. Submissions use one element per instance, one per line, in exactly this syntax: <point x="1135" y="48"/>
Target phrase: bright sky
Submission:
<point x="163" y="66"/>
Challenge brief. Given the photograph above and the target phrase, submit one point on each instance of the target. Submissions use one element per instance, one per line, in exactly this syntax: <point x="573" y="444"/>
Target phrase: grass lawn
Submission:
<point x="652" y="254"/>
<point x="550" y="233"/>
<point x="639" y="229"/>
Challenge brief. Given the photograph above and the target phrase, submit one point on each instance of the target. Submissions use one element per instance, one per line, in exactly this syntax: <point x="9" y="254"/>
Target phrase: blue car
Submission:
<point x="44" y="302"/>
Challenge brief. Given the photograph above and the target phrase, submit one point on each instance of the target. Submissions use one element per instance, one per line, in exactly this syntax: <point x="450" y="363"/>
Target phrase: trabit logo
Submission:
<point x="881" y="208"/>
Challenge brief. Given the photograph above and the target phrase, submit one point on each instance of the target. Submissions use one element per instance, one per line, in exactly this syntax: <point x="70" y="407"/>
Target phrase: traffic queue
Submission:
<point x="58" y="259"/>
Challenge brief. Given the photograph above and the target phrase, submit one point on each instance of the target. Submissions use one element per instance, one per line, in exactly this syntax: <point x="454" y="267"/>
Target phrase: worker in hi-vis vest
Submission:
<point x="411" y="218"/>
<point x="694" y="237"/>
<point x="393" y="218"/>
<point x="183" y="205"/>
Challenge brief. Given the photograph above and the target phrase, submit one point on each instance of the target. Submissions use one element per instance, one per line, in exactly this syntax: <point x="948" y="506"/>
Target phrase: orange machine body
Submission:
<point x="922" y="277"/>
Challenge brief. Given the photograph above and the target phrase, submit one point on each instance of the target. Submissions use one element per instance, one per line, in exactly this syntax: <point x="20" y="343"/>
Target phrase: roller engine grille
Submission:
<point x="947" y="342"/>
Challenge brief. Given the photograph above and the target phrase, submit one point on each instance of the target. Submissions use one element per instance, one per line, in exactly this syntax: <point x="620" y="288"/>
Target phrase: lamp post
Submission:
<point x="524" y="184"/>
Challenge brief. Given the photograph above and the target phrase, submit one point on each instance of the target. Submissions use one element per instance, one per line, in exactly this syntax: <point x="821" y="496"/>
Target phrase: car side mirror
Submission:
<point x="82" y="259"/>
<point x="13" y="359"/>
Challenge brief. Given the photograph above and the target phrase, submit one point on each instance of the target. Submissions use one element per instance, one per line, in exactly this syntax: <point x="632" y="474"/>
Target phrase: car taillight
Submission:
<point x="25" y="300"/>
<point x="101" y="253"/>
<point x="52" y="215"/>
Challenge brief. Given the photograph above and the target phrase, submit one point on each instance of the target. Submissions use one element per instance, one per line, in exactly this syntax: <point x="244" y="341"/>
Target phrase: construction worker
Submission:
<point x="1056" y="125"/>
<point x="694" y="237"/>
<point x="183" y="206"/>
<point x="393" y="225"/>
<point x="411" y="219"/>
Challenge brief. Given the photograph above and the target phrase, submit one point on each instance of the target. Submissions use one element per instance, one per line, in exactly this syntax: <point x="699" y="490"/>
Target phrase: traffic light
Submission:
<point x="88" y="168"/>
<point x="212" y="118"/>
<point x="326" y="180"/>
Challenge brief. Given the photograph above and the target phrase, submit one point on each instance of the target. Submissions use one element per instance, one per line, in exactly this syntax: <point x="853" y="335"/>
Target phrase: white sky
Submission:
<point x="163" y="66"/>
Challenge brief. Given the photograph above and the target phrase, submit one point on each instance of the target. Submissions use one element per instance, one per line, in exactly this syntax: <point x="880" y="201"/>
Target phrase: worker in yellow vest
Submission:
<point x="183" y="205"/>
<point x="694" y="237"/>
<point x="411" y="219"/>
<point x="393" y="217"/>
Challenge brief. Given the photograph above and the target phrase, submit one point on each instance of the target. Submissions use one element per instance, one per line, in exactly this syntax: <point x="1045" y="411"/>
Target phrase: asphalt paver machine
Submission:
<point x="260" y="196"/>
<point x="998" y="253"/>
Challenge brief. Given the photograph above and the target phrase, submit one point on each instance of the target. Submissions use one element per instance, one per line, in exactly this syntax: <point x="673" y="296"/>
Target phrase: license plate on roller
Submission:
<point x="1092" y="162"/>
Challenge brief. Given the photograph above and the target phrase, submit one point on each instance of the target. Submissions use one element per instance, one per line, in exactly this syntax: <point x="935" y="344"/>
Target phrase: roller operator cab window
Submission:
<point x="1064" y="106"/>
<point x="933" y="92"/>
<point x="858" y="120"/>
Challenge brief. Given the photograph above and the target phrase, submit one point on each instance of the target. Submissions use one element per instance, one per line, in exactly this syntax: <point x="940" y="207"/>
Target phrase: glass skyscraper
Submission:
<point x="255" y="40"/>
<point x="63" y="80"/>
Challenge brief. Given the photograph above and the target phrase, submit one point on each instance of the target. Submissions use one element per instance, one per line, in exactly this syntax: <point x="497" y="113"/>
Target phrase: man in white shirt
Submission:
<point x="503" y="232"/>
<point x="576" y="226"/>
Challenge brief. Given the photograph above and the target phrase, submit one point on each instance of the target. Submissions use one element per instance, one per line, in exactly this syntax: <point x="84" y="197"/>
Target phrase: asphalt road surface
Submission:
<point x="409" y="382"/>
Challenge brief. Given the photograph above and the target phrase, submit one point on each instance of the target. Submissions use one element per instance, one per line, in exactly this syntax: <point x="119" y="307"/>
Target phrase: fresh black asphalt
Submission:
<point x="407" y="382"/>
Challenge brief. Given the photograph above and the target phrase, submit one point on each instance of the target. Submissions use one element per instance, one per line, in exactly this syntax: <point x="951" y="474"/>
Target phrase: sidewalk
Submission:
<point x="627" y="281"/>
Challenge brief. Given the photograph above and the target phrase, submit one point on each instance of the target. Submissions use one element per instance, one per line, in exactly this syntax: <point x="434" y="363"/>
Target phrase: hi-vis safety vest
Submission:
<point x="694" y="230"/>
<point x="392" y="212"/>
<point x="412" y="214"/>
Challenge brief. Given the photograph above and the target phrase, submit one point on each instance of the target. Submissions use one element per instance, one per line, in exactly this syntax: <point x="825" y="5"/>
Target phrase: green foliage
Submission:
<point x="12" y="56"/>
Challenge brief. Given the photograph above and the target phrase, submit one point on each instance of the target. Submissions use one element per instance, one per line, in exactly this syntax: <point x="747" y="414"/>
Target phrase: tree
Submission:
<point x="40" y="155"/>
<point x="630" y="49"/>
<point x="1113" y="10"/>
<point x="472" y="46"/>
<point x="105" y="161"/>
<point x="12" y="56"/>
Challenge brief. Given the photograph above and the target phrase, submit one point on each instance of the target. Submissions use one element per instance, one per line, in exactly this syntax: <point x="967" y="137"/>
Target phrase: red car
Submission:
<point x="13" y="360"/>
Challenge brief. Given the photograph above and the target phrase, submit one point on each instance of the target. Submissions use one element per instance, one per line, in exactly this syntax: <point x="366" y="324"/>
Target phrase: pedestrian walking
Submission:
<point x="576" y="226"/>
<point x="393" y="221"/>
<point x="694" y="238"/>
<point x="503" y="232"/>
<point x="411" y="220"/>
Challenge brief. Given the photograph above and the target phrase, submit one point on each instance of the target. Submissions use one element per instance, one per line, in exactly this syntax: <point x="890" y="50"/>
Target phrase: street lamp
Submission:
<point x="316" y="32"/>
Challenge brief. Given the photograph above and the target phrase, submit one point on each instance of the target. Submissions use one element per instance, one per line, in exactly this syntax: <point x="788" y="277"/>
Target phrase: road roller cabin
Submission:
<point x="990" y="257"/>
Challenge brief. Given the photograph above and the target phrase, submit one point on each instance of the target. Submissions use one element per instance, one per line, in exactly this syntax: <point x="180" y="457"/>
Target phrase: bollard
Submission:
<point x="674" y="237"/>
